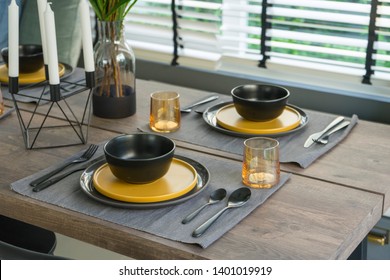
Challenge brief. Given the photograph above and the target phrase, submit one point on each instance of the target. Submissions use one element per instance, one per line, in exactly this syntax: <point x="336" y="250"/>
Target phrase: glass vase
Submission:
<point x="114" y="95"/>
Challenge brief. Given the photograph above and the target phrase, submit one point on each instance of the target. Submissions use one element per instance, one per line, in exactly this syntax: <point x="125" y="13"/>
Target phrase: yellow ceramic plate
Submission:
<point x="28" y="78"/>
<point x="179" y="180"/>
<point x="227" y="117"/>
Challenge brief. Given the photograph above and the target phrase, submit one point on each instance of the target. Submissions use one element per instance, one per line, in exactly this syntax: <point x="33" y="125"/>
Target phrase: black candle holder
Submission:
<point x="41" y="127"/>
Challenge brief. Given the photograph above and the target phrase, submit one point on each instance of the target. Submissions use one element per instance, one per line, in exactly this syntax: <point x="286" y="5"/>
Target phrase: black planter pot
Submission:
<point x="114" y="107"/>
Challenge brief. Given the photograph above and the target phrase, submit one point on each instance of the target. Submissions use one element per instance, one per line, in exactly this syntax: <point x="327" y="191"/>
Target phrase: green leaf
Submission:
<point x="129" y="8"/>
<point x="111" y="10"/>
<point x="96" y="5"/>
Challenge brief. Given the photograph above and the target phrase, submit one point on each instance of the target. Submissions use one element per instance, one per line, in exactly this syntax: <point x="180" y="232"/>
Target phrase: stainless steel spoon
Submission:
<point x="238" y="198"/>
<point x="215" y="197"/>
<point x="188" y="108"/>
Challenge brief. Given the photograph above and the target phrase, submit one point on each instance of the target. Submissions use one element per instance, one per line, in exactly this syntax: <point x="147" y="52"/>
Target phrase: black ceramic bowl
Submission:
<point x="139" y="158"/>
<point x="259" y="102"/>
<point x="30" y="58"/>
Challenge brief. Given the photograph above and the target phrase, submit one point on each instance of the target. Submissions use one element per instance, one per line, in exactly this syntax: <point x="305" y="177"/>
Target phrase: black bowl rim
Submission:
<point x="40" y="53"/>
<point x="139" y="159"/>
<point x="261" y="101"/>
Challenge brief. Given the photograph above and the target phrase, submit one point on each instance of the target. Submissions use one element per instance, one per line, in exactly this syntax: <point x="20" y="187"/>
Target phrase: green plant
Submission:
<point x="112" y="10"/>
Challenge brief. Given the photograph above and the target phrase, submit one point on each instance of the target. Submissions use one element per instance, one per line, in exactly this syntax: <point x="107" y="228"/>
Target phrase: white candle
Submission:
<point x="89" y="63"/>
<point x="13" y="39"/>
<point x="51" y="45"/>
<point x="41" y="9"/>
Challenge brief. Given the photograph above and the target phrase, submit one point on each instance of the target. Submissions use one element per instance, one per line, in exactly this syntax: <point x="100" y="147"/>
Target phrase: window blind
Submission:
<point x="305" y="33"/>
<point x="380" y="54"/>
<point x="182" y="28"/>
<point x="148" y="27"/>
<point x="341" y="36"/>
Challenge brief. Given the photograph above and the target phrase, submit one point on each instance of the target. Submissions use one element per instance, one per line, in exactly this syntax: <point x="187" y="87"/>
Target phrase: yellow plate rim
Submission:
<point x="231" y="126"/>
<point x="146" y="199"/>
<point x="29" y="78"/>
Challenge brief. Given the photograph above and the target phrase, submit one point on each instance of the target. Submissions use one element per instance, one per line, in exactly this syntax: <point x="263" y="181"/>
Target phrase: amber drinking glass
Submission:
<point x="165" y="111"/>
<point x="261" y="167"/>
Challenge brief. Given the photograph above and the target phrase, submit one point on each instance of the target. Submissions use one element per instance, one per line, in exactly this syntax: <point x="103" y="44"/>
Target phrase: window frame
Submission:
<point x="332" y="82"/>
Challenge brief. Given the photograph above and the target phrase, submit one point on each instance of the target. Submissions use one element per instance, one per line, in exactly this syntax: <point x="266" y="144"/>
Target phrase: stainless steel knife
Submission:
<point x="317" y="135"/>
<point x="188" y="108"/>
<point x="324" y="139"/>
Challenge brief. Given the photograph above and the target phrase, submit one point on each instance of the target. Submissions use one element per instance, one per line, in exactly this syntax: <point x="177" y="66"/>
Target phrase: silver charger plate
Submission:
<point x="209" y="116"/>
<point x="68" y="71"/>
<point x="86" y="183"/>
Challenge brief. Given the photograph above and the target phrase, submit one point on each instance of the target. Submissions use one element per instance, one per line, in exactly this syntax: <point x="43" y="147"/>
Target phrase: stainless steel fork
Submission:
<point x="84" y="157"/>
<point x="55" y="179"/>
<point x="325" y="138"/>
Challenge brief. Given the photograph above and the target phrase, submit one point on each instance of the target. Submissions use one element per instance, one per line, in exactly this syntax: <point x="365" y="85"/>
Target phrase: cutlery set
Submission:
<point x="45" y="184"/>
<point x="215" y="197"/>
<point x="322" y="137"/>
<point x="237" y="199"/>
<point x="44" y="181"/>
<point x="325" y="138"/>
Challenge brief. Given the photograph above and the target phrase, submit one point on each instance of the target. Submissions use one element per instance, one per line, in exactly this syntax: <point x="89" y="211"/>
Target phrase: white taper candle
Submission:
<point x="51" y="45"/>
<point x="13" y="39"/>
<point x="89" y="63"/>
<point x="41" y="9"/>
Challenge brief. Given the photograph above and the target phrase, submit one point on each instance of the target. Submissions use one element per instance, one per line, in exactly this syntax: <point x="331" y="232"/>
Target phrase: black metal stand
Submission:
<point x="36" y="126"/>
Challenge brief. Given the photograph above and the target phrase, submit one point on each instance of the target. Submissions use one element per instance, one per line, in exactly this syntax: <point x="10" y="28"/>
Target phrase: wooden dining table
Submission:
<point x="324" y="211"/>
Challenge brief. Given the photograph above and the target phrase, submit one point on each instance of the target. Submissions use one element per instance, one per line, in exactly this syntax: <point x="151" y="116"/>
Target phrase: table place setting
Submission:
<point x="161" y="216"/>
<point x="224" y="127"/>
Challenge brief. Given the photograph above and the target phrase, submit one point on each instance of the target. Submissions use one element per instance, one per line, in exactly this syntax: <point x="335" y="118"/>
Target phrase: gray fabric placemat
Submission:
<point x="31" y="93"/>
<point x="196" y="131"/>
<point x="291" y="146"/>
<point x="164" y="222"/>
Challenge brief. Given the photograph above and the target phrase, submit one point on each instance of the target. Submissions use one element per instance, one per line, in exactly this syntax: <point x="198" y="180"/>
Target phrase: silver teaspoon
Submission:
<point x="238" y="198"/>
<point x="215" y="197"/>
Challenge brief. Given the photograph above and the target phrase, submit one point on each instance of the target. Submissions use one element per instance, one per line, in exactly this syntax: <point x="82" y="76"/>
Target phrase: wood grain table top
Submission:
<point x="323" y="211"/>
